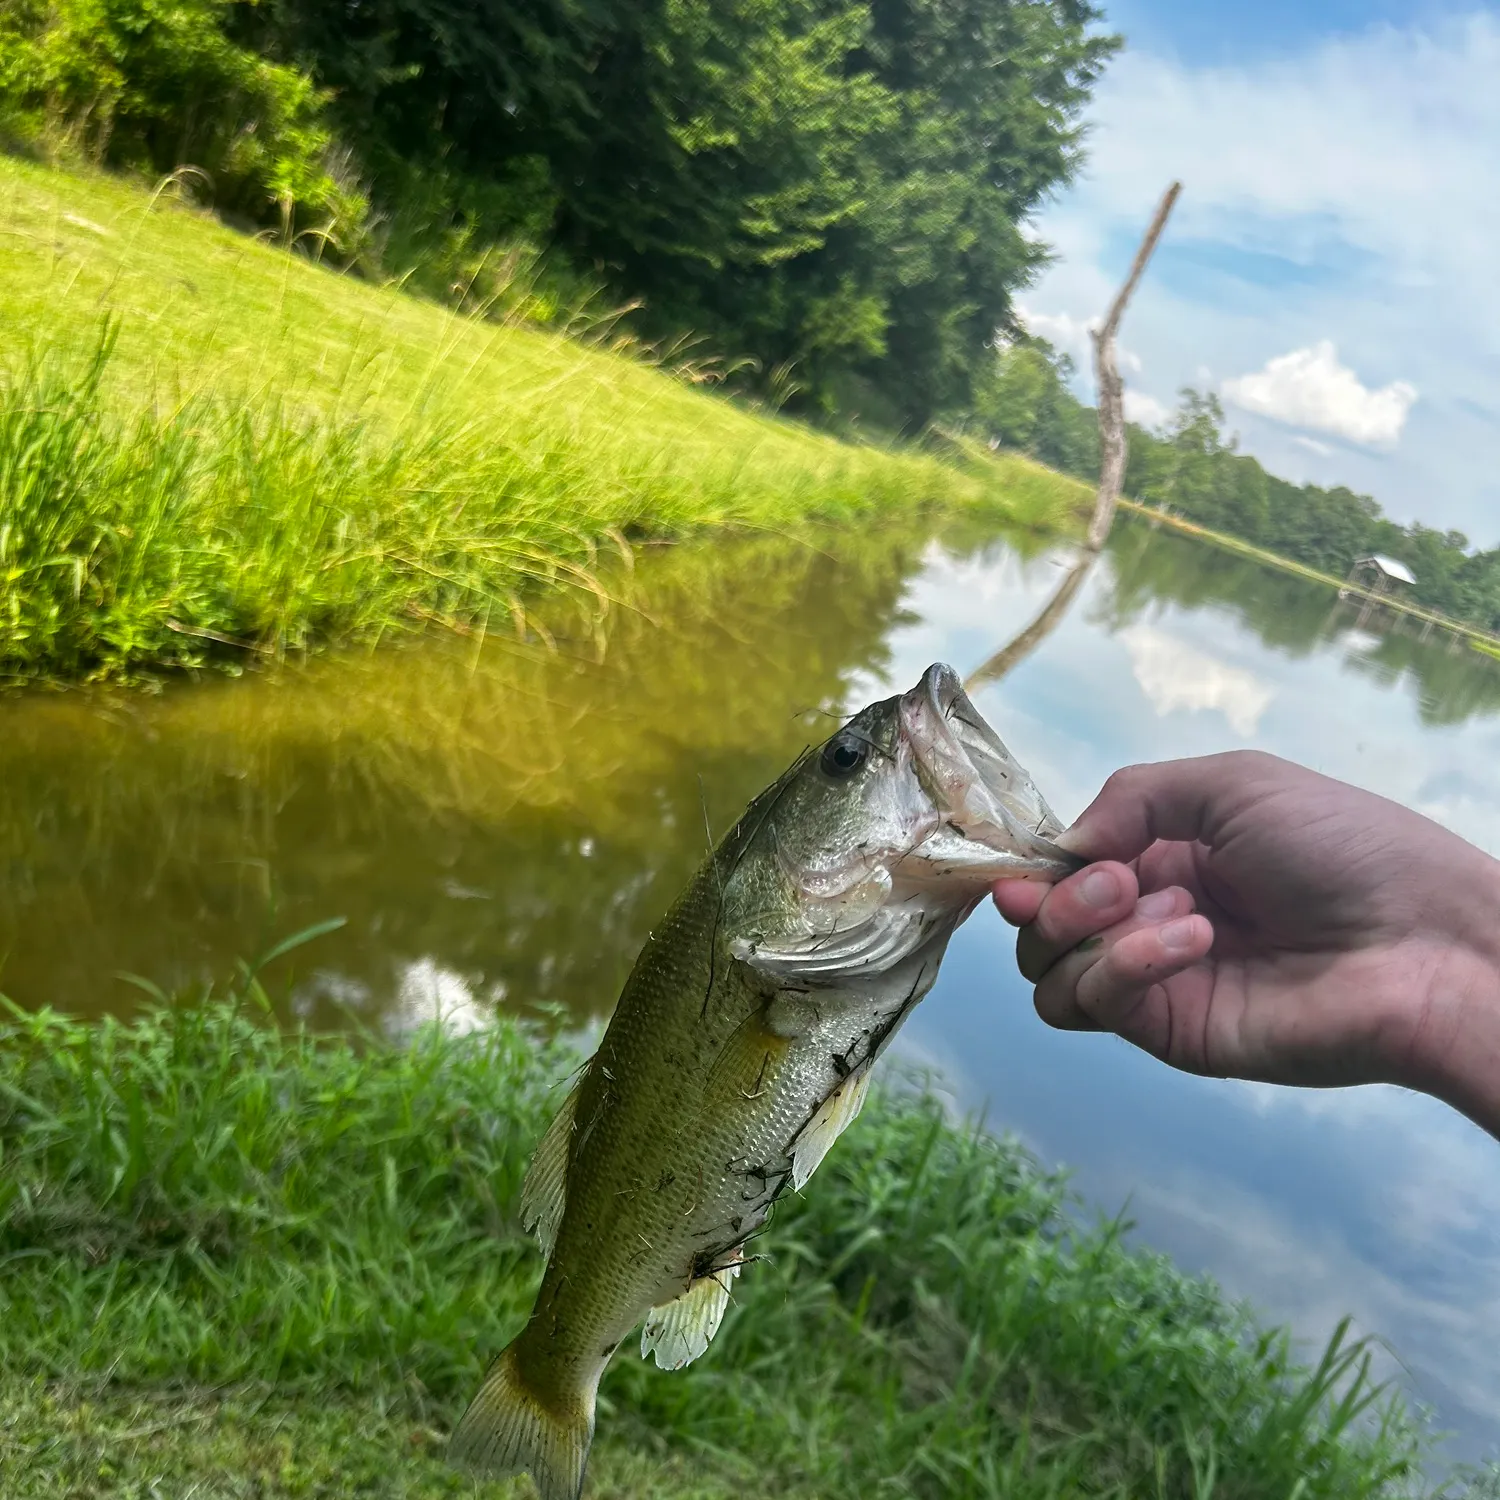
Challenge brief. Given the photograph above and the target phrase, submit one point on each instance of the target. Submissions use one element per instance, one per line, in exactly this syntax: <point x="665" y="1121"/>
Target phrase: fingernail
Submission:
<point x="1179" y="934"/>
<point x="1100" y="889"/>
<point x="1157" y="904"/>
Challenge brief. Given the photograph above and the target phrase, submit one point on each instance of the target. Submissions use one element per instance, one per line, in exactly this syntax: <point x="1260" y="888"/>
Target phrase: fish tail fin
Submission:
<point x="508" y="1429"/>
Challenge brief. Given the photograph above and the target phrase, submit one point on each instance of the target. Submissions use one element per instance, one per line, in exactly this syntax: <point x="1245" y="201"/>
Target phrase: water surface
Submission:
<point x="500" y="822"/>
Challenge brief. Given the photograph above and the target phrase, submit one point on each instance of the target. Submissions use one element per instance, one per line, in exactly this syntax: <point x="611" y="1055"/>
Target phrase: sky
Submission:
<point x="1332" y="270"/>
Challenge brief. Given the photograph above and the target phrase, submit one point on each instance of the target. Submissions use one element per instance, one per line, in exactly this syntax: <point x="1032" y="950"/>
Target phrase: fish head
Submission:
<point x="899" y="821"/>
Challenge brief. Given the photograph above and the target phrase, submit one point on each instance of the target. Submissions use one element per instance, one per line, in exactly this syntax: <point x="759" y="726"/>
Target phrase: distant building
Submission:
<point x="1379" y="573"/>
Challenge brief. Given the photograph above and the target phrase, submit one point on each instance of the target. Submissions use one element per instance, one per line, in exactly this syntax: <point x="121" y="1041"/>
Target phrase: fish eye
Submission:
<point x="843" y="755"/>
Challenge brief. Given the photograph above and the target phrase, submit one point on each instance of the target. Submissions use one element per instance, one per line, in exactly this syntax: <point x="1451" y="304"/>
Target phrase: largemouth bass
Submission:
<point x="741" y="1047"/>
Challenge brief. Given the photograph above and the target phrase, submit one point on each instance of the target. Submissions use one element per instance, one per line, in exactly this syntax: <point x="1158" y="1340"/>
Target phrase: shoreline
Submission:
<point x="1481" y="640"/>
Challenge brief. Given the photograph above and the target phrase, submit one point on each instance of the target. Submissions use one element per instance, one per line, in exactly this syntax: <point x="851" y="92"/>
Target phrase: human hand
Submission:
<point x="1245" y="917"/>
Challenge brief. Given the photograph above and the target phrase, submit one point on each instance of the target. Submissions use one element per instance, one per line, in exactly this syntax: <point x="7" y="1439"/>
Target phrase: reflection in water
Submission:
<point x="514" y="815"/>
<point x="1026" y="640"/>
<point x="1453" y="681"/>
<point x="501" y="824"/>
<point x="427" y="993"/>
<point x="1174" y="674"/>
<point x="1368" y="1202"/>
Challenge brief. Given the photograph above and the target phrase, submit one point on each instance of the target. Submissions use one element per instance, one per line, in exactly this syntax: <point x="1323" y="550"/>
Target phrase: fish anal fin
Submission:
<point x="545" y="1192"/>
<point x="507" y="1430"/>
<point x="678" y="1332"/>
<point x="832" y="1117"/>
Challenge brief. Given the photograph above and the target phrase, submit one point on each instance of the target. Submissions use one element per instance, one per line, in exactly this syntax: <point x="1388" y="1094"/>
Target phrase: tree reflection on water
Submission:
<point x="1452" y="681"/>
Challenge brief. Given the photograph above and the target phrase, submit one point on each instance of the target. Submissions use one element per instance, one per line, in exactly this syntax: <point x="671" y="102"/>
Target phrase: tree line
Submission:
<point x="831" y="192"/>
<point x="832" y="195"/>
<point x="1022" y="400"/>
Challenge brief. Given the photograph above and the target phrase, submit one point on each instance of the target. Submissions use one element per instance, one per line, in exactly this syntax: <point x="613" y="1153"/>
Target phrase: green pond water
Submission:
<point x="500" y="822"/>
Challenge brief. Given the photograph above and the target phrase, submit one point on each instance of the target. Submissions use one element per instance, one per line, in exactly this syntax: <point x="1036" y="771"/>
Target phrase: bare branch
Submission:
<point x="1046" y="621"/>
<point x="1111" y="389"/>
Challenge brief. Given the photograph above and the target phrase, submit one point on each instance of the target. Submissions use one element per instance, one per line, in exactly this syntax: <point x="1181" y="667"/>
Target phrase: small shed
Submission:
<point x="1379" y="574"/>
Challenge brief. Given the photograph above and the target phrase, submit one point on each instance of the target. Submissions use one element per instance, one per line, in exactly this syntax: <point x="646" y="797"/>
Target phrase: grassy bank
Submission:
<point x="274" y="1266"/>
<point x="209" y="447"/>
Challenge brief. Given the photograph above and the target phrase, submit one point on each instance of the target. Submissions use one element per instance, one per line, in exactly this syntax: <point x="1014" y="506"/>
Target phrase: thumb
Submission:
<point x="1176" y="800"/>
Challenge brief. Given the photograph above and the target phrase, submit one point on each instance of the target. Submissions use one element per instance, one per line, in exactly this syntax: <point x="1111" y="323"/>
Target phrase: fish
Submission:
<point x="741" y="1048"/>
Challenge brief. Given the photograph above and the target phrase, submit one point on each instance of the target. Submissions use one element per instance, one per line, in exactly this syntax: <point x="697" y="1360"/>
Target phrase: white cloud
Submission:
<point x="1313" y="445"/>
<point x="1310" y="388"/>
<point x="1268" y="1253"/>
<point x="1146" y="410"/>
<point x="1062" y="330"/>
<point x="1070" y="335"/>
<point x="1350" y="193"/>
<point x="1174" y="675"/>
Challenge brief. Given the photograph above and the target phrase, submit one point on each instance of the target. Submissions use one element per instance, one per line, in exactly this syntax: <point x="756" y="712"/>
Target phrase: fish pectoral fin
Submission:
<point x="545" y="1192"/>
<point x="678" y="1332"/>
<point x="833" y="1116"/>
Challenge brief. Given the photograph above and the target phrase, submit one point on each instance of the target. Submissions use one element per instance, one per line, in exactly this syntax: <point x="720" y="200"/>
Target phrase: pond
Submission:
<point x="499" y="822"/>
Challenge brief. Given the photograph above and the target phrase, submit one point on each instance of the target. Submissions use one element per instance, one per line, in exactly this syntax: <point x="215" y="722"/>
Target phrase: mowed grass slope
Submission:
<point x="210" y="446"/>
<point x="242" y="1264"/>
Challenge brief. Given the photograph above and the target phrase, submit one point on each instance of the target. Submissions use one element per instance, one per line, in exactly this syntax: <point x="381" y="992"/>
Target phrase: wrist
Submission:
<point x="1455" y="1055"/>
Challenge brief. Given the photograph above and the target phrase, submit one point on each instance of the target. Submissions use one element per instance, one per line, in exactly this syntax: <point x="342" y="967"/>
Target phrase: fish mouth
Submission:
<point x="994" y="823"/>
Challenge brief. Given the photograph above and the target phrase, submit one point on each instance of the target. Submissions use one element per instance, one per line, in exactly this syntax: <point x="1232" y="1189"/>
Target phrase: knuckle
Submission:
<point x="1248" y="765"/>
<point x="1046" y="929"/>
<point x="1122" y="783"/>
<point x="1242" y="759"/>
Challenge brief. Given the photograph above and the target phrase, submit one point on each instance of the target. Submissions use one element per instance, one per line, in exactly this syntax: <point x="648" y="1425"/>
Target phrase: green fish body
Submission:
<point x="741" y="1047"/>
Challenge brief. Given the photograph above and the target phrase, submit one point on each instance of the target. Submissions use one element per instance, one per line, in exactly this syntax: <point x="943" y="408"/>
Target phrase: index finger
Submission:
<point x="1094" y="899"/>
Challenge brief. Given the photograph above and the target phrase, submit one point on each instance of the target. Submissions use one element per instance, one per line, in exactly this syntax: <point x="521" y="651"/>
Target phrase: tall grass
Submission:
<point x="265" y="455"/>
<point x="161" y="536"/>
<point x="195" y="1199"/>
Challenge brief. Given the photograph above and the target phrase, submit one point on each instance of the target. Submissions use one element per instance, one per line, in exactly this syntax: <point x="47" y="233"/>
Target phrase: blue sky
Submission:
<point x="1205" y="31"/>
<point x="1331" y="268"/>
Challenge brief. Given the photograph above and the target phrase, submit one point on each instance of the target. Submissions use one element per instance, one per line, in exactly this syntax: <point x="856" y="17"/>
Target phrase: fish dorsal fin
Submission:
<point x="545" y="1193"/>
<point x="678" y="1332"/>
<point x="834" y="1115"/>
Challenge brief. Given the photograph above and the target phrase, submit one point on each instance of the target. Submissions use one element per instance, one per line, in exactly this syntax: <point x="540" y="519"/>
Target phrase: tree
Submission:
<point x="836" y="186"/>
<point x="988" y="95"/>
<point x="1186" y="471"/>
<point x="151" y="86"/>
<point x="1021" y="400"/>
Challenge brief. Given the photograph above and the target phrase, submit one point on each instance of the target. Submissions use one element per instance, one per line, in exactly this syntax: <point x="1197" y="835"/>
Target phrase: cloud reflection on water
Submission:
<point x="1177" y="676"/>
<point x="1373" y="1202"/>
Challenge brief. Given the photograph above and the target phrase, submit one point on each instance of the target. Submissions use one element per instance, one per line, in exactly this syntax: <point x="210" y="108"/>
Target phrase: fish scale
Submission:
<point x="741" y="1046"/>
